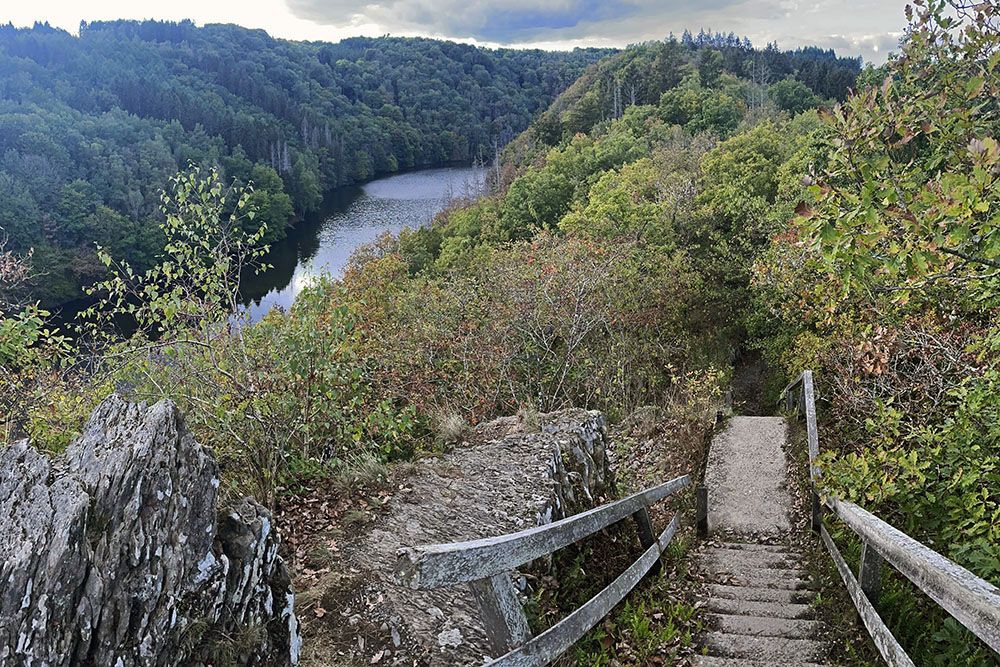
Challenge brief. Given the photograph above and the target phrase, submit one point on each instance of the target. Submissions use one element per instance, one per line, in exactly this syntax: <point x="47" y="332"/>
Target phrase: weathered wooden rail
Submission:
<point x="972" y="601"/>
<point x="486" y="566"/>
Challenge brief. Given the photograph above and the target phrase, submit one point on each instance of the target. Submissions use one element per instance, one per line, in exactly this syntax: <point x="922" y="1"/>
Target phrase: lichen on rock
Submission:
<point x="118" y="552"/>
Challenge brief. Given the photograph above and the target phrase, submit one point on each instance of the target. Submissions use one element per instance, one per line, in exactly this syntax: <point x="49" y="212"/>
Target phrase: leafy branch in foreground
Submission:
<point x="911" y="194"/>
<point x="283" y="398"/>
<point x="196" y="283"/>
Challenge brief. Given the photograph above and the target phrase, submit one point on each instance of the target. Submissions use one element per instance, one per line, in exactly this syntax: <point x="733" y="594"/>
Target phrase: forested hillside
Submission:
<point x="682" y="143"/>
<point x="610" y="269"/>
<point x="791" y="80"/>
<point x="92" y="127"/>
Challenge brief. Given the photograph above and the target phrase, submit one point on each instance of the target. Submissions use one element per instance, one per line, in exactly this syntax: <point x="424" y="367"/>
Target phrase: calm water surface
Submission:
<point x="352" y="217"/>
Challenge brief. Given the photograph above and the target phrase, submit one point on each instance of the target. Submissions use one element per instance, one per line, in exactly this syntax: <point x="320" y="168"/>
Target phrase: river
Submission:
<point x="351" y="217"/>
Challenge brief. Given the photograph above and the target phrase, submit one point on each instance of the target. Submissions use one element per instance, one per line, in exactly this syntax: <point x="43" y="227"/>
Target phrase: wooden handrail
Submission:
<point x="886" y="643"/>
<point x="485" y="565"/>
<point x="971" y="600"/>
<point x="808" y="398"/>
<point x="552" y="643"/>
<point x="438" y="565"/>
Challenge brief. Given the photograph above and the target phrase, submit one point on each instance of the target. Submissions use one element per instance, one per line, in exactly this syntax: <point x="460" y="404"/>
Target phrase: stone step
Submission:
<point x="769" y="650"/>
<point x="784" y="581"/>
<point x="715" y="661"/>
<point x="767" y="551"/>
<point x="750" y="560"/>
<point x="766" y="626"/>
<point x="753" y="546"/>
<point x="760" y="594"/>
<point x="742" y="568"/>
<point x="768" y="609"/>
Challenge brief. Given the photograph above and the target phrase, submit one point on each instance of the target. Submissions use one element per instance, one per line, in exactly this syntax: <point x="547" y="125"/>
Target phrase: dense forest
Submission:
<point x="610" y="268"/>
<point x="682" y="203"/>
<point x="91" y="127"/>
<point x="625" y="109"/>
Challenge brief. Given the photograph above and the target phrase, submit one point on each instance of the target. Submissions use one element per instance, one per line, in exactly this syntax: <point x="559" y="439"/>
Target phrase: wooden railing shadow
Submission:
<point x="486" y="566"/>
<point x="972" y="601"/>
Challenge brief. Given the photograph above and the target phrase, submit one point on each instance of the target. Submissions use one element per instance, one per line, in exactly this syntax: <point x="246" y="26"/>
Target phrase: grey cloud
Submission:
<point x="508" y="21"/>
<point x="874" y="48"/>
<point x="870" y="28"/>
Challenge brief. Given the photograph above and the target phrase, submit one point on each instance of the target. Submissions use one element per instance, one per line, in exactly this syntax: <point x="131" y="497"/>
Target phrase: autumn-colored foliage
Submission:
<point x="886" y="286"/>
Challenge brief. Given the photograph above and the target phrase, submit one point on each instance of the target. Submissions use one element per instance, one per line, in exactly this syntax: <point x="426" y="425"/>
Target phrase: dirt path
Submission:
<point x="749" y="384"/>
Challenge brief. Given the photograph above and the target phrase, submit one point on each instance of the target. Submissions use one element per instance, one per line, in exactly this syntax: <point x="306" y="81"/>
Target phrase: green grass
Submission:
<point x="656" y="620"/>
<point x="645" y="625"/>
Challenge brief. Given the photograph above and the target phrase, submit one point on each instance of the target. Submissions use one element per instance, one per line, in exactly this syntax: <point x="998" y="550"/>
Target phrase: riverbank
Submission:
<point x="322" y="243"/>
<point x="352" y="217"/>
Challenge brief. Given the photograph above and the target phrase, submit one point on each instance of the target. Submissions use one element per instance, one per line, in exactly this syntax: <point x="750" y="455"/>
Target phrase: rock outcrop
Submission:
<point x="507" y="481"/>
<point x="117" y="553"/>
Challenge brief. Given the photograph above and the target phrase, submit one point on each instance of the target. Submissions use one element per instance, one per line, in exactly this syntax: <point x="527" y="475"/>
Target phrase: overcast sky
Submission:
<point x="869" y="28"/>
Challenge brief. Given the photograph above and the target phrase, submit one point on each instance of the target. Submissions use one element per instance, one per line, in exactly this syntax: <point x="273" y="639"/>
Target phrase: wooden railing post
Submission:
<point x="644" y="527"/>
<point x="817" y="512"/>
<point x="870" y="573"/>
<point x="727" y="406"/>
<point x="503" y="617"/>
<point x="812" y="435"/>
<point x="701" y="509"/>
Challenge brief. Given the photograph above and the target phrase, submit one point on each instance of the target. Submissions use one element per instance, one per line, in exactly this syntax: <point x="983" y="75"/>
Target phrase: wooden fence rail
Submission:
<point x="552" y="643"/>
<point x="486" y="566"/>
<point x="972" y="601"/>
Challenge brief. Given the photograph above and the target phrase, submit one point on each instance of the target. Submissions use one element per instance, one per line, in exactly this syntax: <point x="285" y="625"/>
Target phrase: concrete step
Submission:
<point x="783" y="581"/>
<point x="742" y="568"/>
<point x="749" y="550"/>
<point x="749" y="560"/>
<point x="753" y="546"/>
<point x="767" y="609"/>
<point x="760" y="594"/>
<point x="715" y="661"/>
<point x="766" y="626"/>
<point x="769" y="650"/>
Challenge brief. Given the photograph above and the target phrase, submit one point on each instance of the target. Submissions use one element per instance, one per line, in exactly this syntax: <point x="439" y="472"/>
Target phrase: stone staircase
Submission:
<point x="757" y="595"/>
<point x="759" y="608"/>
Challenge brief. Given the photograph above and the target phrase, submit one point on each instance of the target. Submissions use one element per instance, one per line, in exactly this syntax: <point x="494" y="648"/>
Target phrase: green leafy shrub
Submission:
<point x="289" y="394"/>
<point x="886" y="286"/>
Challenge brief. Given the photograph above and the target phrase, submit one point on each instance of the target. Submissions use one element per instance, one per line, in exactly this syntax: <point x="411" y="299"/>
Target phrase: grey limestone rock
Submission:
<point x="511" y="479"/>
<point x="118" y="553"/>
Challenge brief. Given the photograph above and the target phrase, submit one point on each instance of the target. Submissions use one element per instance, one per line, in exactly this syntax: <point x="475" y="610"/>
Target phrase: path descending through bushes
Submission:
<point x="758" y="595"/>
